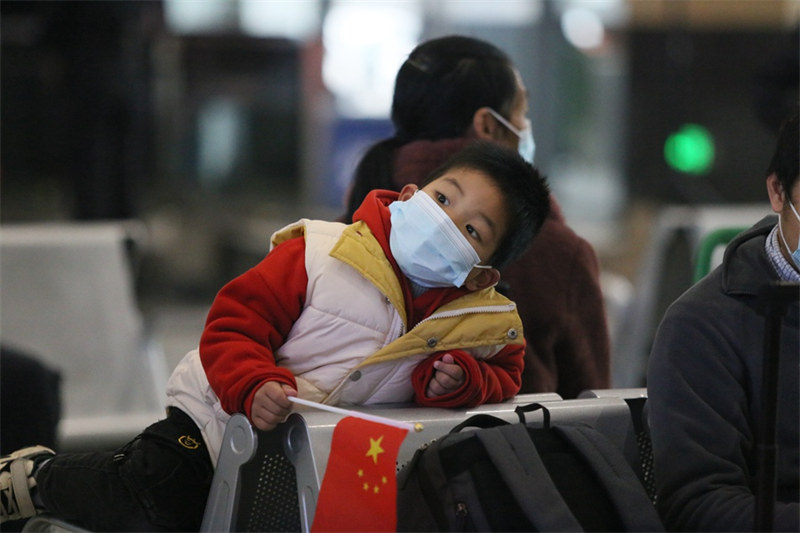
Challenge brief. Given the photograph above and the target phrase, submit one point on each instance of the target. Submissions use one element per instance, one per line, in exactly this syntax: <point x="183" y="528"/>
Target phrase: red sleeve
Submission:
<point x="488" y="380"/>
<point x="250" y="318"/>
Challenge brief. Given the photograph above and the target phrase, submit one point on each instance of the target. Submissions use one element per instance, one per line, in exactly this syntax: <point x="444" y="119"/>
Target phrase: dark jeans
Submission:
<point x="157" y="482"/>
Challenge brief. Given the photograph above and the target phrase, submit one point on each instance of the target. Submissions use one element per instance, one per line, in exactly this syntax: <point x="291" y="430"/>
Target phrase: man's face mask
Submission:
<point x="796" y="252"/>
<point x="527" y="146"/>
<point x="427" y="245"/>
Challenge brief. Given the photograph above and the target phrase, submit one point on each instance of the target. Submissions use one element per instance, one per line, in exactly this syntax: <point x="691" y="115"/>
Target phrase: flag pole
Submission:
<point x="416" y="426"/>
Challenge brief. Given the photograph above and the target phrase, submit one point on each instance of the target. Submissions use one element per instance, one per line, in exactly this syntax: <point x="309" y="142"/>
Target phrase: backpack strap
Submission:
<point x="514" y="455"/>
<point x="626" y="491"/>
<point x="535" y="406"/>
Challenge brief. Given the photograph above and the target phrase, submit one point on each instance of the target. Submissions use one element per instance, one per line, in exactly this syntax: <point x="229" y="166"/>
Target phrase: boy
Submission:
<point x="397" y="306"/>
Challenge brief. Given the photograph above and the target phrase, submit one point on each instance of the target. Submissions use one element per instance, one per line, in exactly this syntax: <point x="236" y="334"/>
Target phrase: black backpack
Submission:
<point x="512" y="477"/>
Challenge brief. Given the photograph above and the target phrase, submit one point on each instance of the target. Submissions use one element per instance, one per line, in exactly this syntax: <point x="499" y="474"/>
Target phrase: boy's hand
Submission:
<point x="447" y="377"/>
<point x="271" y="405"/>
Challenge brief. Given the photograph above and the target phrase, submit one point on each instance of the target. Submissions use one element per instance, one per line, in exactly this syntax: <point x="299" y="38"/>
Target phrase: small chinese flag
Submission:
<point x="359" y="489"/>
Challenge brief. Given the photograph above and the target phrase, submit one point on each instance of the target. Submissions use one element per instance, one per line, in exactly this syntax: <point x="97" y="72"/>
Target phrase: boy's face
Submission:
<point x="476" y="206"/>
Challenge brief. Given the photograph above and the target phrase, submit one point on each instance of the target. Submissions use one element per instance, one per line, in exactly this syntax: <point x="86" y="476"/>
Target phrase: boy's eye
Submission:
<point x="473" y="232"/>
<point x="442" y="199"/>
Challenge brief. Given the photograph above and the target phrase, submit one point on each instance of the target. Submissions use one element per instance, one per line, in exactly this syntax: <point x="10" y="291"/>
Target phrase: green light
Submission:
<point x="690" y="149"/>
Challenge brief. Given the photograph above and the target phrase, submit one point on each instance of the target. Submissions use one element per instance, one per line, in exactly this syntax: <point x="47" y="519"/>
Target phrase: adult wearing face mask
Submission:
<point x="451" y="92"/>
<point x="705" y="375"/>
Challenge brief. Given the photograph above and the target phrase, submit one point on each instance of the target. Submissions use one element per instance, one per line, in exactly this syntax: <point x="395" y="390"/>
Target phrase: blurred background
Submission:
<point x="214" y="122"/>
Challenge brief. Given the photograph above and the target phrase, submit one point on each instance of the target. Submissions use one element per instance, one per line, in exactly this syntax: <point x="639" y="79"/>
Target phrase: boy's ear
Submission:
<point x="407" y="192"/>
<point x="484" y="124"/>
<point x="485" y="278"/>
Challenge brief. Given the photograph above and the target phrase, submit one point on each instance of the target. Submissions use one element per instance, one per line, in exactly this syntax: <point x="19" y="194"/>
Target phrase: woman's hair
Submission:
<point x="437" y="91"/>
<point x="526" y="195"/>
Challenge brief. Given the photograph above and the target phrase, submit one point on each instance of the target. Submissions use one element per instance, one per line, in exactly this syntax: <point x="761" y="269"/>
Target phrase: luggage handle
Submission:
<point x="522" y="409"/>
<point x="777" y="296"/>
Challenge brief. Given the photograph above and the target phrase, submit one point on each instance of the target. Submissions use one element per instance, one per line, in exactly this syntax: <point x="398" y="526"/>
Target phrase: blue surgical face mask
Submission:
<point x="427" y="245"/>
<point x="526" y="146"/>
<point x="796" y="252"/>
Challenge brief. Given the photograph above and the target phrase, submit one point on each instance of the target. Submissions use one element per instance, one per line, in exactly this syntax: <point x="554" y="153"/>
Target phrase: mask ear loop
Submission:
<point x="487" y="267"/>
<point x="780" y="230"/>
<point x="505" y="122"/>
<point x="797" y="216"/>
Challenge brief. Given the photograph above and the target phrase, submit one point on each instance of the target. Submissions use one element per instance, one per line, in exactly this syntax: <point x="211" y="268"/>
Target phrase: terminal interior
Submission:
<point x="150" y="148"/>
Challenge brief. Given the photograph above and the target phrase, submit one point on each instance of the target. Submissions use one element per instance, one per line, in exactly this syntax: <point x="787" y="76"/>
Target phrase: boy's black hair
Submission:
<point x="784" y="163"/>
<point x="525" y="191"/>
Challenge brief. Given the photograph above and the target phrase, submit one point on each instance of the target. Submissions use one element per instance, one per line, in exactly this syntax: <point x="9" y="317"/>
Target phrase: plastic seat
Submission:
<point x="666" y="271"/>
<point x="708" y="254"/>
<point x="280" y="472"/>
<point x="303" y="444"/>
<point x="636" y="398"/>
<point x="269" y="481"/>
<point x="264" y="481"/>
<point x="50" y="524"/>
<point x="67" y="295"/>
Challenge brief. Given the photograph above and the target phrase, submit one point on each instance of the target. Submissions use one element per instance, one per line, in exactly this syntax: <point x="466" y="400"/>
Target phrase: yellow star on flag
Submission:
<point x="375" y="448"/>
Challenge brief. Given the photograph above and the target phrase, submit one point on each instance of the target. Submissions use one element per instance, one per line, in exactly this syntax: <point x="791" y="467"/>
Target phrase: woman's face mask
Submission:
<point x="796" y="252"/>
<point x="428" y="246"/>
<point x="526" y="146"/>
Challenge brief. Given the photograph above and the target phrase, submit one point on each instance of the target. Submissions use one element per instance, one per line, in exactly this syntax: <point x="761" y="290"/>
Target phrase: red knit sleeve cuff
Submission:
<point x="281" y="375"/>
<point x="468" y="395"/>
